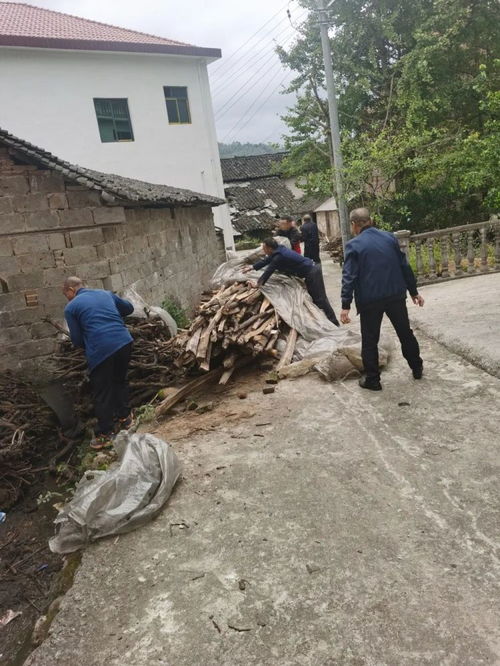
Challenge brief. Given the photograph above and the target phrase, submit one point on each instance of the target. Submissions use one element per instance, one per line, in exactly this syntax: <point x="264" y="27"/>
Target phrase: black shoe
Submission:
<point x="370" y="384"/>
<point x="418" y="372"/>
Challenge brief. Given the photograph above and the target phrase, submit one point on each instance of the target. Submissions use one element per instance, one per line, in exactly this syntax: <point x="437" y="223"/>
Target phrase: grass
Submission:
<point x="176" y="311"/>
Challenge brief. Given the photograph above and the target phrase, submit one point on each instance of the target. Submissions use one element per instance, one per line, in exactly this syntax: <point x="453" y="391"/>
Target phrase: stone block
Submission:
<point x="96" y="270"/>
<point x="12" y="223"/>
<point x="6" y="205"/>
<point x="86" y="237"/>
<point x="110" y="250"/>
<point x="135" y="244"/>
<point x="29" y="202"/>
<point x="56" y="241"/>
<point x="14" y="185"/>
<point x="20" y="317"/>
<point x="54" y="277"/>
<point x="35" y="348"/>
<point x="58" y="200"/>
<point x="34" y="260"/>
<point x="42" y="219"/>
<point x="51" y="297"/>
<point x="8" y="266"/>
<point x="113" y="282"/>
<point x="42" y="330"/>
<point x="95" y="284"/>
<point x="14" y="334"/>
<point x="23" y="281"/>
<point x="46" y="182"/>
<point x="109" y="214"/>
<point x="114" y="233"/>
<point x="79" y="255"/>
<point x="30" y="243"/>
<point x="75" y="217"/>
<point x="6" y="248"/>
<point x="11" y="301"/>
<point x="83" y="198"/>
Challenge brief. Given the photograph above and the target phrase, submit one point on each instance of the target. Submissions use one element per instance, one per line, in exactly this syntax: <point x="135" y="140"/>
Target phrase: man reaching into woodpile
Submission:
<point x="95" y="322"/>
<point x="279" y="258"/>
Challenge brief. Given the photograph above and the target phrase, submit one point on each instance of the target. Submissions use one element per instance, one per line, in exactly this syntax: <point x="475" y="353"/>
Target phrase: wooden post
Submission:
<point x="458" y="254"/>
<point x="484" y="251"/>
<point x="432" y="260"/>
<point x="445" y="267"/>
<point x="470" y="252"/>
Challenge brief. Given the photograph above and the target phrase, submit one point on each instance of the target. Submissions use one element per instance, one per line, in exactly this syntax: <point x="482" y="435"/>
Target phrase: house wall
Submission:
<point x="329" y="223"/>
<point x="50" y="229"/>
<point x="47" y="98"/>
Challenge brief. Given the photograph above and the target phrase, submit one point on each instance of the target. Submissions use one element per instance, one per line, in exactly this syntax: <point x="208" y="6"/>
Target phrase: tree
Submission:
<point x="418" y="105"/>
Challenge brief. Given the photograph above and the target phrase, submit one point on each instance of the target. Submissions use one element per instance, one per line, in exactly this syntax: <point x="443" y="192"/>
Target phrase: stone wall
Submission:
<point x="50" y="229"/>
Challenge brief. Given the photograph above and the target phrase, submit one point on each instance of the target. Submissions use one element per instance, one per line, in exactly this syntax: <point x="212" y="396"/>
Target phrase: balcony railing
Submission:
<point x="446" y="254"/>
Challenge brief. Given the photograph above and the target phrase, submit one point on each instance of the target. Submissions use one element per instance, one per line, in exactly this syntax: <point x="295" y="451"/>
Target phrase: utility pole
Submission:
<point x="345" y="228"/>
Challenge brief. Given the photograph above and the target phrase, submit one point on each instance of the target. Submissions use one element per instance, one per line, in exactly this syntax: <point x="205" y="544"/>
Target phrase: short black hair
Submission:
<point x="270" y="242"/>
<point x="286" y="217"/>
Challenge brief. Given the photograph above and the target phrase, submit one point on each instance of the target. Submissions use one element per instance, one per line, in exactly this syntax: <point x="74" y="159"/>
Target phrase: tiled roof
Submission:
<point x="256" y="204"/>
<point x="253" y="166"/>
<point x="25" y="25"/>
<point x="115" y="189"/>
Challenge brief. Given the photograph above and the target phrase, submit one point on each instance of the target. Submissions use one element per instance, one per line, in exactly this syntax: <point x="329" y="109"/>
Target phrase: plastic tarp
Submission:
<point x="127" y="495"/>
<point x="317" y="336"/>
<point x="142" y="310"/>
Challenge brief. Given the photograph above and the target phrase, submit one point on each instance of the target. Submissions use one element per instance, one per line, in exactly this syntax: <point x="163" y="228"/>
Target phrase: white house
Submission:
<point x="111" y="99"/>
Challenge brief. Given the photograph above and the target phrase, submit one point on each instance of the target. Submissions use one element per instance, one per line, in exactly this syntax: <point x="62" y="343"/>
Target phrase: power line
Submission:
<point x="251" y="37"/>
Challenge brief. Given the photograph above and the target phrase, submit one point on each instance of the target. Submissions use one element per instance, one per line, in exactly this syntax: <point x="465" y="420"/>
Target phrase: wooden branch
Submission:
<point x="289" y="349"/>
<point x="186" y="390"/>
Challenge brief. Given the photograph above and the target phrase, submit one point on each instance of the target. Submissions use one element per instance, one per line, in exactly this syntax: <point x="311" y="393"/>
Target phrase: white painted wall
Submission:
<point x="46" y="97"/>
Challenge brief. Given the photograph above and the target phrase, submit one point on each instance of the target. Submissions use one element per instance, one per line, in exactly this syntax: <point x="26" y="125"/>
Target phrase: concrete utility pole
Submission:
<point x="345" y="227"/>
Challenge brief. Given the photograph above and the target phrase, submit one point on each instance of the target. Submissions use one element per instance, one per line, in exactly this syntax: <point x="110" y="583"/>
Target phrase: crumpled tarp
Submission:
<point x="127" y="495"/>
<point x="317" y="336"/>
<point x="143" y="310"/>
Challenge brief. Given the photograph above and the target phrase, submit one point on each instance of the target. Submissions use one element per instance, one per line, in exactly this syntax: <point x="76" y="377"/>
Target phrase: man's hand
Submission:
<point x="246" y="269"/>
<point x="344" y="316"/>
<point x="418" y="300"/>
<point x="253" y="284"/>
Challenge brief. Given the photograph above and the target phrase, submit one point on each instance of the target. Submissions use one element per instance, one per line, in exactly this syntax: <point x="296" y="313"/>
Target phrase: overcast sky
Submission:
<point x="245" y="85"/>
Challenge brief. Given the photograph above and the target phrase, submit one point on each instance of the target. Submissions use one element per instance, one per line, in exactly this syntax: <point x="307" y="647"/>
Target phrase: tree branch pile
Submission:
<point x="335" y="250"/>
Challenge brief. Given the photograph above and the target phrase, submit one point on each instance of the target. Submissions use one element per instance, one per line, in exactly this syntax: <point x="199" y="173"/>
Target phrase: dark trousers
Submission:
<point x="316" y="288"/>
<point x="109" y="386"/>
<point x="311" y="250"/>
<point x="371" y="321"/>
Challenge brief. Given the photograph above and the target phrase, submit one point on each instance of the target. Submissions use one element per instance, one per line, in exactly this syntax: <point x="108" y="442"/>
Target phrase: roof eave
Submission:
<point x="95" y="45"/>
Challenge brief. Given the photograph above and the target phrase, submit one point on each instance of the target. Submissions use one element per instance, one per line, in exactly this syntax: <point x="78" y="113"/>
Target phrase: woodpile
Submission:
<point x="335" y="250"/>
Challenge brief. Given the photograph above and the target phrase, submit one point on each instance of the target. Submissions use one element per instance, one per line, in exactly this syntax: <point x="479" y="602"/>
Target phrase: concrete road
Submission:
<point x="319" y="525"/>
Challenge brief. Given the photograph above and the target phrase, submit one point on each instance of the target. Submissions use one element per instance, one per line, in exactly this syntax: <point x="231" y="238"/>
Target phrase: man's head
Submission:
<point x="269" y="245"/>
<point x="306" y="218"/>
<point x="360" y="219"/>
<point x="71" y="287"/>
<point x="285" y="223"/>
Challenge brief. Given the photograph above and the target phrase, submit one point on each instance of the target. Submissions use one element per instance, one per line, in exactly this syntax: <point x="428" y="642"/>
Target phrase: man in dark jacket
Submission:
<point x="95" y="322"/>
<point x="286" y="229"/>
<point x="280" y="258"/>
<point x="310" y="236"/>
<point x="378" y="273"/>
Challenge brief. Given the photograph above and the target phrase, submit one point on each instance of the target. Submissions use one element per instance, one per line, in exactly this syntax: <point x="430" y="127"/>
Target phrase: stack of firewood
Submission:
<point x="335" y="250"/>
<point x="233" y="322"/>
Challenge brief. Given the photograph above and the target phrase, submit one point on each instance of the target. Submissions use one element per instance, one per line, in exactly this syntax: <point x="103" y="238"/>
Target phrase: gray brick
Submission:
<point x="30" y="202"/>
<point x="54" y="277"/>
<point x="110" y="250"/>
<point x="6" y="205"/>
<point x="6" y="248"/>
<point x="17" y="317"/>
<point x="8" y="266"/>
<point x="24" y="281"/>
<point x="83" y="198"/>
<point x="35" y="260"/>
<point x="95" y="284"/>
<point x="12" y="185"/>
<point x="108" y="214"/>
<point x="11" y="302"/>
<point x="30" y="243"/>
<point x="14" y="335"/>
<point x="42" y="219"/>
<point x="86" y="237"/>
<point x="35" y="348"/>
<point x="113" y="282"/>
<point x="114" y="233"/>
<point x="75" y="217"/>
<point x="46" y="182"/>
<point x="12" y="223"/>
<point x="58" y="200"/>
<point x="94" y="271"/>
<point x="56" y="241"/>
<point x="135" y="244"/>
<point x="42" y="330"/>
<point x="51" y="297"/>
<point x="79" y="255"/>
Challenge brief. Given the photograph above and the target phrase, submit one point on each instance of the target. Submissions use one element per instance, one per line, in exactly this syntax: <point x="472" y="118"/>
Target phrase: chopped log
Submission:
<point x="186" y="390"/>
<point x="289" y="349"/>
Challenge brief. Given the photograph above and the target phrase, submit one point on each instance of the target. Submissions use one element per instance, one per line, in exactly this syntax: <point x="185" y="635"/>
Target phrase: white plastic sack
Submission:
<point x="127" y="495"/>
<point x="143" y="311"/>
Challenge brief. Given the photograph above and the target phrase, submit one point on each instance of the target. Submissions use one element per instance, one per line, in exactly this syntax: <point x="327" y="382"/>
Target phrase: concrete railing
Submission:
<point x="446" y="254"/>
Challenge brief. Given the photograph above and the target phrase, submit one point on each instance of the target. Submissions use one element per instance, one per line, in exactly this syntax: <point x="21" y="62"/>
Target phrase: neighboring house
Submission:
<point x="258" y="194"/>
<point x="57" y="219"/>
<point x="328" y="220"/>
<point x="111" y="99"/>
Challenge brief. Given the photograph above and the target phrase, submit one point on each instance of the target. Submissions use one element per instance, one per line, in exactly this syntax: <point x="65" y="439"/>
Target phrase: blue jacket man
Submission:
<point x="376" y="272"/>
<point x="310" y="236"/>
<point x="95" y="322"/>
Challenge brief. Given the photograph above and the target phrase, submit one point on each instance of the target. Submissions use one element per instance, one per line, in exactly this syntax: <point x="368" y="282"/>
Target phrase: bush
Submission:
<point x="176" y="311"/>
<point x="246" y="243"/>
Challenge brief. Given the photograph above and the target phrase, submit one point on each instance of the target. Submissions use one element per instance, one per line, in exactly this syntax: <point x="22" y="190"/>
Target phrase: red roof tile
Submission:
<point x="26" y="25"/>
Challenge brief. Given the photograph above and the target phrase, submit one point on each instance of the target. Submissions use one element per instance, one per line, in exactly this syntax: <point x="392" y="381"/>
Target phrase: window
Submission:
<point x="176" y="99"/>
<point x="113" y="119"/>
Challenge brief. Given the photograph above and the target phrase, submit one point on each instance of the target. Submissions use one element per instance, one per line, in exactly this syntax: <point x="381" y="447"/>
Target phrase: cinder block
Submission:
<point x="30" y="243"/>
<point x="35" y="348"/>
<point x="79" y="255"/>
<point x="110" y="250"/>
<point x="42" y="219"/>
<point x="42" y="330"/>
<point x="23" y="281"/>
<point x="96" y="270"/>
<point x="135" y="244"/>
<point x="13" y="185"/>
<point x="113" y="282"/>
<point x="51" y="297"/>
<point x="75" y="217"/>
<point x="46" y="182"/>
<point x="56" y="241"/>
<point x="108" y="214"/>
<point x="6" y="205"/>
<point x="6" y="247"/>
<point x="114" y="233"/>
<point x="11" y="301"/>
<point x="12" y="223"/>
<point x="54" y="277"/>
<point x="86" y="237"/>
<point x="14" y="335"/>
<point x="20" y="317"/>
<point x="83" y="198"/>
<point x="8" y="266"/>
<point x="94" y="284"/>
<point x="35" y="260"/>
<point x="30" y="202"/>
<point x="58" y="200"/>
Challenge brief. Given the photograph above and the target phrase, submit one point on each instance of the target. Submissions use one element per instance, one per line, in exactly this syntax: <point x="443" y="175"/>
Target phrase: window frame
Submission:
<point x="176" y="100"/>
<point x="114" y="119"/>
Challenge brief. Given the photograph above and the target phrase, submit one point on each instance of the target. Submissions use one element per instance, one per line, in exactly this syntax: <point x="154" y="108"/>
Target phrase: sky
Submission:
<point x="248" y="81"/>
